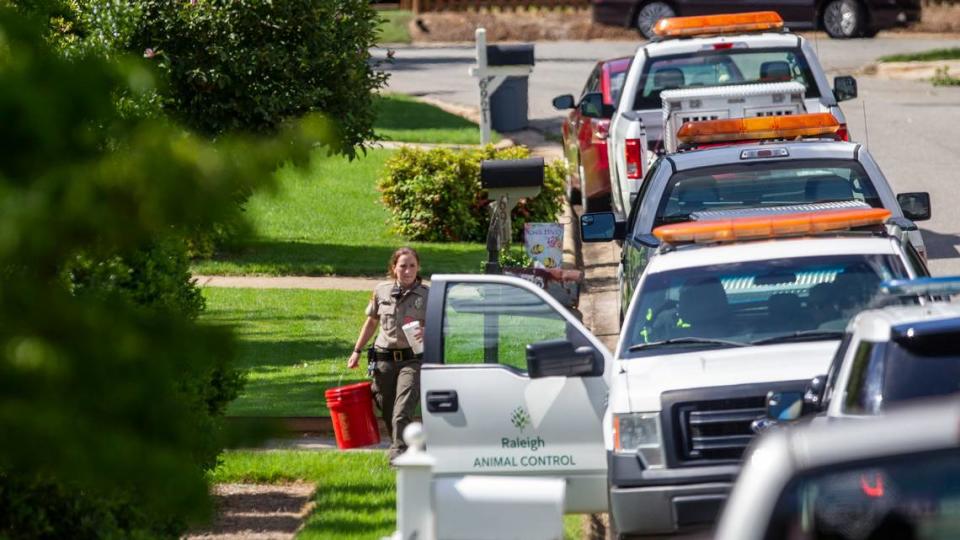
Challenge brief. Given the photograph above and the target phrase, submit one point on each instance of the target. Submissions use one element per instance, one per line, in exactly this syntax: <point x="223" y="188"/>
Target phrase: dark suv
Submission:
<point x="839" y="18"/>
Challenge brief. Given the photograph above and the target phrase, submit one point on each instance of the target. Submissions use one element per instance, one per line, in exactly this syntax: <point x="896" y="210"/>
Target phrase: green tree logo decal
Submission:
<point x="520" y="418"/>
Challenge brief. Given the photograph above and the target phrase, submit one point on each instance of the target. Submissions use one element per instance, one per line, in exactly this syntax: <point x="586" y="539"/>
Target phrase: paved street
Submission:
<point x="912" y="128"/>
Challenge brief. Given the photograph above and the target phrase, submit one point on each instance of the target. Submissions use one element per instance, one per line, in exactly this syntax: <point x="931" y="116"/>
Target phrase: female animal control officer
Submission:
<point x="396" y="377"/>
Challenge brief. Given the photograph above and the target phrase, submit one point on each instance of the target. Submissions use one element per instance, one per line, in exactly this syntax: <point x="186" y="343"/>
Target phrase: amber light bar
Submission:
<point x="718" y="24"/>
<point x="761" y="127"/>
<point x="751" y="228"/>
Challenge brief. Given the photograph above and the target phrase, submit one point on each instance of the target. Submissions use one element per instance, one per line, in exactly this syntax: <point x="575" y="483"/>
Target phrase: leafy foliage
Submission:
<point x="435" y="195"/>
<point x="251" y="64"/>
<point x="235" y="65"/>
<point x="109" y="391"/>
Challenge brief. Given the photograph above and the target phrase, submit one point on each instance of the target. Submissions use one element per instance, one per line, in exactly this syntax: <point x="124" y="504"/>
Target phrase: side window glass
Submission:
<point x="834" y="370"/>
<point x="494" y="323"/>
<point x="644" y="189"/>
<point x="916" y="261"/>
<point x="592" y="82"/>
<point x="864" y="392"/>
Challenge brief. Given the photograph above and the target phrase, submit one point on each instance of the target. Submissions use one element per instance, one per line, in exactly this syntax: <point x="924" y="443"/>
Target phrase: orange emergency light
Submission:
<point x="757" y="128"/>
<point x="751" y="228"/>
<point x="733" y="23"/>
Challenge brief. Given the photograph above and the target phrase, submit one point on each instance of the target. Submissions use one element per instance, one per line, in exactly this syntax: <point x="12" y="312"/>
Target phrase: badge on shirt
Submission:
<point x="418" y="303"/>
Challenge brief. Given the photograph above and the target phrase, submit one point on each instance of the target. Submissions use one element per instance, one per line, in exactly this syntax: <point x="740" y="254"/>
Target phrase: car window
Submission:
<point x="616" y="85"/>
<point x="593" y="82"/>
<point x="910" y="366"/>
<point x="494" y="323"/>
<point x="912" y="496"/>
<point x="757" y="300"/>
<point x="834" y="371"/>
<point x="916" y="261"/>
<point x="644" y="189"/>
<point x="758" y="185"/>
<point x="722" y="68"/>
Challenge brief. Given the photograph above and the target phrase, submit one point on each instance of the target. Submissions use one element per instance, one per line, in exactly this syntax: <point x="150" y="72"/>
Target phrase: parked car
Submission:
<point x="888" y="355"/>
<point x="584" y="133"/>
<point x="839" y="18"/>
<point x="891" y="477"/>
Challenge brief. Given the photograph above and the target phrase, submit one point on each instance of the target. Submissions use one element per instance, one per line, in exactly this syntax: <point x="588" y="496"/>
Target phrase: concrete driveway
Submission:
<point x="911" y="128"/>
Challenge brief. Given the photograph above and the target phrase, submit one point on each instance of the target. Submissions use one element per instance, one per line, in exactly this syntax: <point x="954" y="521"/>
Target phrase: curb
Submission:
<point x="911" y="71"/>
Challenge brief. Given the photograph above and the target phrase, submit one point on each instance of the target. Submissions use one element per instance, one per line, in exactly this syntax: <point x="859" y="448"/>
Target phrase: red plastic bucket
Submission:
<point x="351" y="408"/>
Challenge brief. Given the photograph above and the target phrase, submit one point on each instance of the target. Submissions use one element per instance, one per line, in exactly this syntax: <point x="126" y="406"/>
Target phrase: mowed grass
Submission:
<point x="356" y="491"/>
<point x="293" y="344"/>
<point x="394" y="25"/>
<point x="402" y="118"/>
<point x="925" y="56"/>
<point x="327" y="219"/>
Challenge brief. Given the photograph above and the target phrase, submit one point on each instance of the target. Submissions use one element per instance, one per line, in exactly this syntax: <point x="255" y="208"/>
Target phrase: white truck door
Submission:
<point x="512" y="383"/>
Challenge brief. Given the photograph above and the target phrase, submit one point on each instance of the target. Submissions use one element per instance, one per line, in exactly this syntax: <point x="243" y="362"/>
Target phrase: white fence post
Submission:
<point x="415" y="508"/>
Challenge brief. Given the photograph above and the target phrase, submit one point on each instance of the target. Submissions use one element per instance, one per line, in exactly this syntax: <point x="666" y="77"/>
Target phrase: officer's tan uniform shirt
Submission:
<point x="394" y="313"/>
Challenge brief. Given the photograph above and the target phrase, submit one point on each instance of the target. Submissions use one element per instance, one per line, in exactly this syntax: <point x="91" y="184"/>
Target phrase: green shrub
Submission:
<point x="110" y="392"/>
<point x="252" y="64"/>
<point x="435" y="195"/>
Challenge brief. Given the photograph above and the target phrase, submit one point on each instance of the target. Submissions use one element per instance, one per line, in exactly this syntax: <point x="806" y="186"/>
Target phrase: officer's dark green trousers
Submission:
<point x="396" y="388"/>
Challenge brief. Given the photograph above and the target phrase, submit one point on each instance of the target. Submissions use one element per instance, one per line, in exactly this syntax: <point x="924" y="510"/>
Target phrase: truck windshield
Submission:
<point x="763" y="184"/>
<point x="722" y="68"/>
<point x="913" y="365"/>
<point x="754" y="302"/>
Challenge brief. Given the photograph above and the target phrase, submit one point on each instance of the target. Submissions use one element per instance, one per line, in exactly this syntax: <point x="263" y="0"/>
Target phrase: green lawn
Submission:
<point x="925" y="56"/>
<point x="328" y="220"/>
<point x="402" y="118"/>
<point x="356" y="491"/>
<point x="393" y="25"/>
<point x="294" y="345"/>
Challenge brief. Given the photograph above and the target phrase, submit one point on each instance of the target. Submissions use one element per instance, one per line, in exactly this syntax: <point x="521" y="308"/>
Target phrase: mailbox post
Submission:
<point x="495" y="63"/>
<point x="506" y="181"/>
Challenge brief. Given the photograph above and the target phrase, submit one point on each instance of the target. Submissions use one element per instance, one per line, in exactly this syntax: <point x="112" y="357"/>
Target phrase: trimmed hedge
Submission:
<point x="435" y="195"/>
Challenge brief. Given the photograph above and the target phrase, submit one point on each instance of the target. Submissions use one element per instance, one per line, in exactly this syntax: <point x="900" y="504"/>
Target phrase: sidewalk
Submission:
<point x="342" y="283"/>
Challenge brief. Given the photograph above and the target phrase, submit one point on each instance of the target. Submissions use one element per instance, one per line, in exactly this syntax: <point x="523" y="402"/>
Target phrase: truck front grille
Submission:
<point x="717" y="430"/>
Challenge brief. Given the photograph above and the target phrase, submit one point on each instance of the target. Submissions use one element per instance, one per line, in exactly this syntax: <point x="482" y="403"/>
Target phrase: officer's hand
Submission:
<point x="419" y="334"/>
<point x="354" y="361"/>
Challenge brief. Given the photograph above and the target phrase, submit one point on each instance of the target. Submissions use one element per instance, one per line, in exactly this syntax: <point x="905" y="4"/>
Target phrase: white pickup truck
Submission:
<point x="731" y="60"/>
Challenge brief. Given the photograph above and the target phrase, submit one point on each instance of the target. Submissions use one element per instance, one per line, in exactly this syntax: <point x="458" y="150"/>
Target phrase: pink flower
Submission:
<point x="149" y="52"/>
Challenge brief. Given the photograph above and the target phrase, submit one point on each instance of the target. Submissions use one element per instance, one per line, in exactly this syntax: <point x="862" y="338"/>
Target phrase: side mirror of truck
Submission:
<point x="601" y="227"/>
<point x="564" y="102"/>
<point x="558" y="358"/>
<point x="915" y="205"/>
<point x="784" y="406"/>
<point x="844" y="87"/>
<point x="592" y="106"/>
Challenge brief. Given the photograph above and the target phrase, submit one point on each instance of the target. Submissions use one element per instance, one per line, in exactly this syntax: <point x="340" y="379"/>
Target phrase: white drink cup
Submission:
<point x="410" y="330"/>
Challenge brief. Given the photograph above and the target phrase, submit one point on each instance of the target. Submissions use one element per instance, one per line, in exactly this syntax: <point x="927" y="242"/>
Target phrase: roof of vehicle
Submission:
<point x="668" y="47"/>
<point x="875" y="324"/>
<point x="692" y="255"/>
<point x="617" y="64"/>
<point x="780" y="454"/>
<point x="722" y="155"/>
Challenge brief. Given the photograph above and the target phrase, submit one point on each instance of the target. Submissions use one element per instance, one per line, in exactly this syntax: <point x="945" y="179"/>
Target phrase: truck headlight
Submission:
<point x="639" y="433"/>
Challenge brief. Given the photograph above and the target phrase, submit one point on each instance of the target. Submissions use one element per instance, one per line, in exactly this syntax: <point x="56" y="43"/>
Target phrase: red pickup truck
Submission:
<point x="585" y="134"/>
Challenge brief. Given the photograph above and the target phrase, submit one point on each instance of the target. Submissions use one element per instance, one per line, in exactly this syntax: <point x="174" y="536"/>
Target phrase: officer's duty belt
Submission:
<point x="396" y="355"/>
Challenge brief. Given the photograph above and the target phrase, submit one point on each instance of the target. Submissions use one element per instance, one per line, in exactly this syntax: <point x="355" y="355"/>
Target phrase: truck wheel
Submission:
<point x="649" y="14"/>
<point x="844" y="19"/>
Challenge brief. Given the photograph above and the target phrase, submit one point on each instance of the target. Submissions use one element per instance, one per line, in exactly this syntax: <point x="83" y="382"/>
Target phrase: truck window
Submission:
<point x="758" y="185"/>
<point x="494" y="323"/>
<point x="722" y="68"/>
<point x="755" y="301"/>
<point x="915" y="496"/>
